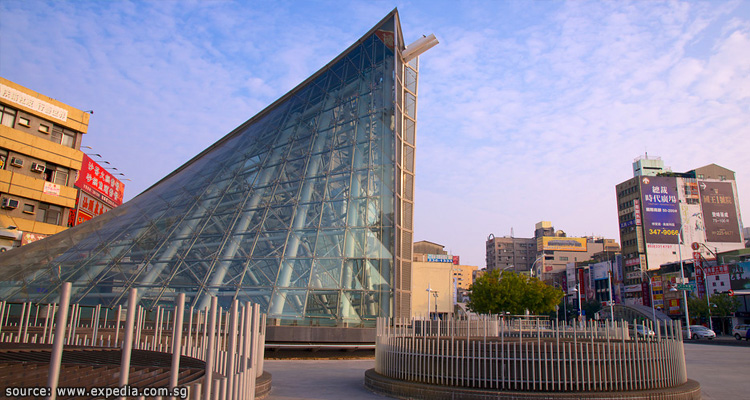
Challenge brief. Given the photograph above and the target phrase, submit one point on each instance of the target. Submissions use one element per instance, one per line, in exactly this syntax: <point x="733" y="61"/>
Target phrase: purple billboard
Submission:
<point x="719" y="212"/>
<point x="660" y="209"/>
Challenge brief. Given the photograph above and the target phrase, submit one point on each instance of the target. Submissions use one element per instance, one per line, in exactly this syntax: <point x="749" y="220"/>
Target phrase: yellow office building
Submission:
<point x="40" y="139"/>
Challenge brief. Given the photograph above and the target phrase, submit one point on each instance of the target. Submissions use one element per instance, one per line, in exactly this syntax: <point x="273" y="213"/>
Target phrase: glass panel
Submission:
<point x="410" y="80"/>
<point x="409" y="131"/>
<point x="322" y="304"/>
<point x="409" y="158"/>
<point x="294" y="273"/>
<point x="326" y="273"/>
<point x="330" y="244"/>
<point x="410" y="105"/>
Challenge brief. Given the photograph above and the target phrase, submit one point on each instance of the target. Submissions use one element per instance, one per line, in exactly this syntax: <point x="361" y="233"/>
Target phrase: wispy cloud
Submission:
<point x="528" y="111"/>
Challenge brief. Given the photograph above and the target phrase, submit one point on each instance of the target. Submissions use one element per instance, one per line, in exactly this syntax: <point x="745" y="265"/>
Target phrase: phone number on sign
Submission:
<point x="668" y="232"/>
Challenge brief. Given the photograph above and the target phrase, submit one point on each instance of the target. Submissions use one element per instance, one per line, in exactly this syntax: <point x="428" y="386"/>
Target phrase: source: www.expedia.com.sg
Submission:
<point x="101" y="392"/>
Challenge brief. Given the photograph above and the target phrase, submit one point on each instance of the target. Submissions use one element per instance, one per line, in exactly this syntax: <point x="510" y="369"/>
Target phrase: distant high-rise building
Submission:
<point x="666" y="216"/>
<point x="645" y="166"/>
<point x="424" y="247"/>
<point x="516" y="254"/>
<point x="545" y="254"/>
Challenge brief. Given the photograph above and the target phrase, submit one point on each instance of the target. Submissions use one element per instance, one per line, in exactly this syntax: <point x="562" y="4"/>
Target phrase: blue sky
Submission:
<point x="528" y="111"/>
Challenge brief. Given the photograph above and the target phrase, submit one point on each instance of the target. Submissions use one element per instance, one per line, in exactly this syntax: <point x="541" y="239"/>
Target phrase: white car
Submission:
<point x="644" y="332"/>
<point x="698" y="332"/>
<point x="740" y="331"/>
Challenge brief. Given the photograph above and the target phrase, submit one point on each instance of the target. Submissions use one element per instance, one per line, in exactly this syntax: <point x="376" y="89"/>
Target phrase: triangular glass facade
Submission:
<point x="299" y="209"/>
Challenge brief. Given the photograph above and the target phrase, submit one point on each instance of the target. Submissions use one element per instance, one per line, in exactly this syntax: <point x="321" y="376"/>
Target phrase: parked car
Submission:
<point x="643" y="331"/>
<point x="698" y="332"/>
<point x="740" y="331"/>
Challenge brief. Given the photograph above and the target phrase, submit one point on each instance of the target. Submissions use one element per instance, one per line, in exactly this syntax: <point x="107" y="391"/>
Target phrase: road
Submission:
<point x="721" y="367"/>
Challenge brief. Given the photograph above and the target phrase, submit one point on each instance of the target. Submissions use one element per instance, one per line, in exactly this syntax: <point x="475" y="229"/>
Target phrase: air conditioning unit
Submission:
<point x="37" y="167"/>
<point x="16" y="162"/>
<point x="9" y="203"/>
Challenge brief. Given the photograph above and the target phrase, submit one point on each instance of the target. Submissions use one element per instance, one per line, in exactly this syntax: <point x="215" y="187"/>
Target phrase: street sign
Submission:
<point x="696" y="246"/>
<point x="686" y="286"/>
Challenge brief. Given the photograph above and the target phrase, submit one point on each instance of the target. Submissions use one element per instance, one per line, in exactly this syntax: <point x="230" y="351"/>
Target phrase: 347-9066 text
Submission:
<point x="101" y="392"/>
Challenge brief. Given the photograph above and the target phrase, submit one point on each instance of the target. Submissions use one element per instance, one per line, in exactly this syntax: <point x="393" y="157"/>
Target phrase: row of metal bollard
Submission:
<point x="231" y="343"/>
<point x="493" y="353"/>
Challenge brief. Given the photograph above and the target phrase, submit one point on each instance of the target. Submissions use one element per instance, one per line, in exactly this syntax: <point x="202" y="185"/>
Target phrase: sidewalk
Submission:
<point x="319" y="379"/>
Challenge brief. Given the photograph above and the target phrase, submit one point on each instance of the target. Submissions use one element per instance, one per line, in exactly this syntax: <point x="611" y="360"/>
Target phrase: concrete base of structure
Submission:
<point x="380" y="384"/>
<point x="262" y="385"/>
<point x="318" y="334"/>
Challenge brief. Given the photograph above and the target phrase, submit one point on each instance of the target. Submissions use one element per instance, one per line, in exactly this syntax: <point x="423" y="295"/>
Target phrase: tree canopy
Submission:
<point x="494" y="293"/>
<point x="722" y="305"/>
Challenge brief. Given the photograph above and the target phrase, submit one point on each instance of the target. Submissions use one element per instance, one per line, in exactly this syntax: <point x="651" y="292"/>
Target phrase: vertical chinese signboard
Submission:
<point x="100" y="192"/>
<point x="661" y="214"/>
<point x="719" y="211"/>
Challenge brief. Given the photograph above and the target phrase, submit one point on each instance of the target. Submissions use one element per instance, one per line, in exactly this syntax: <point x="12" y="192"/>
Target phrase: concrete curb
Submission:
<point x="412" y="390"/>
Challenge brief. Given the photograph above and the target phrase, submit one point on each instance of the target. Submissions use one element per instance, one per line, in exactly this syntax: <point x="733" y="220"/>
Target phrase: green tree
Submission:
<point x="494" y="293"/>
<point x="722" y="305"/>
<point x="591" y="307"/>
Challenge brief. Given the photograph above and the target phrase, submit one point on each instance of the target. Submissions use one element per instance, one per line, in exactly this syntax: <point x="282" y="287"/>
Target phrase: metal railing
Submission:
<point x="493" y="353"/>
<point x="230" y="343"/>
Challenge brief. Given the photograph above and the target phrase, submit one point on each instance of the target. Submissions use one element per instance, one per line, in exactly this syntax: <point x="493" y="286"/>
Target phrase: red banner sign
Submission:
<point x="98" y="182"/>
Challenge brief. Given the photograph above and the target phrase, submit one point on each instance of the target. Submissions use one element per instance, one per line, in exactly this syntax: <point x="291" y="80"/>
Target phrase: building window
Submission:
<point x="28" y="208"/>
<point x="68" y="140"/>
<point x="7" y="116"/>
<point x="56" y="174"/>
<point x="43" y="128"/>
<point x="24" y="121"/>
<point x="700" y="176"/>
<point x="49" y="214"/>
<point x="63" y="136"/>
<point x="563" y="258"/>
<point x="722" y="177"/>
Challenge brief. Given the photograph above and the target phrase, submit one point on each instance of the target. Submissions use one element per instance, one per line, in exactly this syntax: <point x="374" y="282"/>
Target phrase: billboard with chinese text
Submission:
<point x="719" y="211"/>
<point x="563" y="243"/>
<point x="98" y="182"/>
<point x="660" y="209"/>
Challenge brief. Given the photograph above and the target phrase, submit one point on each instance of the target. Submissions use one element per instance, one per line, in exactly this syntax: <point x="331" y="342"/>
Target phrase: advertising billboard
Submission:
<point x="563" y="243"/>
<point x="98" y="182"/>
<point x="739" y="276"/>
<point x="660" y="209"/>
<point x="719" y="211"/>
<point x="441" y="258"/>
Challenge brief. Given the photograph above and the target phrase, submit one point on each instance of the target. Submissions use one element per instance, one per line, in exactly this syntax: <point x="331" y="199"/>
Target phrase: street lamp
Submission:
<point x="435" y="293"/>
<point x="708" y="302"/>
<point x="682" y="273"/>
<point x="429" y="291"/>
<point x="575" y="289"/>
<point x="651" y="295"/>
<point x="533" y="271"/>
<point x="611" y="300"/>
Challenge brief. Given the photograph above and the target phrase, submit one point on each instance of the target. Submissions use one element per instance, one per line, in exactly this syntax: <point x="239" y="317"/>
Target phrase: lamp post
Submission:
<point x="580" y="305"/>
<point x="708" y="302"/>
<point x="682" y="275"/>
<point x="435" y="293"/>
<point x="533" y="271"/>
<point x="651" y="295"/>
<point x="611" y="300"/>
<point x="429" y="290"/>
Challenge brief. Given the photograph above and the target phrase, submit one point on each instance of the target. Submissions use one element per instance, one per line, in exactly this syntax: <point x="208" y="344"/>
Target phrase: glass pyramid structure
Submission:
<point x="305" y="209"/>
